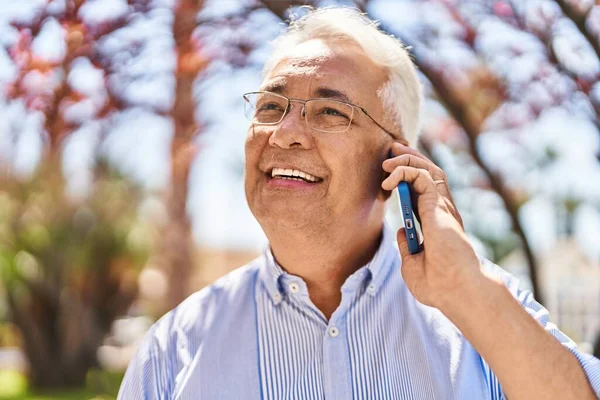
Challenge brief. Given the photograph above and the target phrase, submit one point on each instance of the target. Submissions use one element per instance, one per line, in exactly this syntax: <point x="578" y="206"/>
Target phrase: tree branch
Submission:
<point x="583" y="85"/>
<point x="579" y="21"/>
<point x="458" y="112"/>
<point x="279" y="7"/>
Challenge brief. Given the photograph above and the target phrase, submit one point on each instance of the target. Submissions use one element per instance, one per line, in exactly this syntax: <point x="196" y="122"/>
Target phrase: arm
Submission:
<point x="527" y="360"/>
<point x="448" y="275"/>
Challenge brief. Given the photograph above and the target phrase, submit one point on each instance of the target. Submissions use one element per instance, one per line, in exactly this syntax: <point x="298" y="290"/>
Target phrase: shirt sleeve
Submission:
<point x="589" y="363"/>
<point x="150" y="374"/>
<point x="140" y="381"/>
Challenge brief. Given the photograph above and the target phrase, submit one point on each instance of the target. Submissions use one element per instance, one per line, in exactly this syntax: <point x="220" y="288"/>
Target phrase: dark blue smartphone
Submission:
<point x="410" y="216"/>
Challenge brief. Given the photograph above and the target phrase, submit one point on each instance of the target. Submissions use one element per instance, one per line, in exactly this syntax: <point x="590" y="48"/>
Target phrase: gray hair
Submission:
<point x="401" y="96"/>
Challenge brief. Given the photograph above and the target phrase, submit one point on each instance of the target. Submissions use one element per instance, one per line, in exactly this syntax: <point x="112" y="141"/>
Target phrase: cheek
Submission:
<point x="356" y="168"/>
<point x="252" y="150"/>
<point x="254" y="145"/>
<point x="351" y="168"/>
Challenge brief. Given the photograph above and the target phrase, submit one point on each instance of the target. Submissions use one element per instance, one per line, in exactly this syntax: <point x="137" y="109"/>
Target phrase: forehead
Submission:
<point x="317" y="68"/>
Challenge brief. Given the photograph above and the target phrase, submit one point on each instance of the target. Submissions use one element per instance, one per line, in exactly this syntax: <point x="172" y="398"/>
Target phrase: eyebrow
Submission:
<point x="275" y="87"/>
<point x="322" y="91"/>
<point x="332" y="93"/>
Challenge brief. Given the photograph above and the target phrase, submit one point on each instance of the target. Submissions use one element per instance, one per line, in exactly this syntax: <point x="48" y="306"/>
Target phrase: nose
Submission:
<point x="292" y="131"/>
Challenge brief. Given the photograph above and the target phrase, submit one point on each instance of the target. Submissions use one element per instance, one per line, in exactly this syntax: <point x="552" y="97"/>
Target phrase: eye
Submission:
<point x="270" y="107"/>
<point x="333" y="112"/>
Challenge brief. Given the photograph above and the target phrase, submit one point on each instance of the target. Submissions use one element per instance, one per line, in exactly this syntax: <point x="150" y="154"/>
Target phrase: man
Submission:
<point x="333" y="310"/>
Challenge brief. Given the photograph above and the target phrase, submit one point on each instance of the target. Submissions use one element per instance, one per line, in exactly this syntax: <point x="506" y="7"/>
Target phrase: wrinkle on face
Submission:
<point x="305" y="57"/>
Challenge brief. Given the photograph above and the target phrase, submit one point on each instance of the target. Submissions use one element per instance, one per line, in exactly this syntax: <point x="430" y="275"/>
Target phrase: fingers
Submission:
<point x="400" y="148"/>
<point x="412" y="158"/>
<point x="409" y="157"/>
<point x="419" y="178"/>
<point x="402" y="243"/>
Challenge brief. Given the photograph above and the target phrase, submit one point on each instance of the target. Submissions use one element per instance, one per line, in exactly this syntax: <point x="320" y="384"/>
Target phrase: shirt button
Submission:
<point x="333" y="331"/>
<point x="371" y="289"/>
<point x="276" y="297"/>
<point x="294" y="287"/>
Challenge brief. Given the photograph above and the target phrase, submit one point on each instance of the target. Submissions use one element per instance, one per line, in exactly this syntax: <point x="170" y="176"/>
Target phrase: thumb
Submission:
<point x="402" y="243"/>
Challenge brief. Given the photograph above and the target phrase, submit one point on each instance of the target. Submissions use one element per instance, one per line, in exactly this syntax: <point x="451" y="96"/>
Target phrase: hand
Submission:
<point x="448" y="264"/>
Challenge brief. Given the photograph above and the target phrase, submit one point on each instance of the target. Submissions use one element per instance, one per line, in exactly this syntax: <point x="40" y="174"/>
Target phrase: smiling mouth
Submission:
<point x="293" y="175"/>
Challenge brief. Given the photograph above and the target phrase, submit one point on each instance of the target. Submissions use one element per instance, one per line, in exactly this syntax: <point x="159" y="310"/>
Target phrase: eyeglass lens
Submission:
<point x="321" y="114"/>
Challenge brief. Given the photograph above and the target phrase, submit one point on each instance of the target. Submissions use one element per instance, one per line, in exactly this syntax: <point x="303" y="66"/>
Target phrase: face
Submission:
<point x="344" y="169"/>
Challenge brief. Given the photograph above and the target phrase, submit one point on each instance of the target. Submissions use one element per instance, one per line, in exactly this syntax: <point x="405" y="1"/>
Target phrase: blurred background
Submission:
<point x="121" y="160"/>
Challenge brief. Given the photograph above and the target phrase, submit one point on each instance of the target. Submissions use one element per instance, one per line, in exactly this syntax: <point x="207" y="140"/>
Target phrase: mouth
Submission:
<point x="286" y="174"/>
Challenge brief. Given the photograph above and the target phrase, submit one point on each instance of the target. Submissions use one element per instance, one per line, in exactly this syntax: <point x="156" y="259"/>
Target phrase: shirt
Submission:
<point x="255" y="334"/>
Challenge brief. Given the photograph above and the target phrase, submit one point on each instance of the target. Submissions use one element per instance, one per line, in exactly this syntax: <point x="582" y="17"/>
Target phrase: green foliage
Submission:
<point x="69" y="267"/>
<point x="42" y="230"/>
<point x="12" y="385"/>
<point x="99" y="385"/>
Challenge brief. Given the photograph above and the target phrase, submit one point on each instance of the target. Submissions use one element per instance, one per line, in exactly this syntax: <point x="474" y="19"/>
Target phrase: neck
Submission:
<point x="325" y="257"/>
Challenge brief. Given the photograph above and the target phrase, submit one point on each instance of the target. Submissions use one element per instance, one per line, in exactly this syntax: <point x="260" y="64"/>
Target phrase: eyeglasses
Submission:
<point x="323" y="115"/>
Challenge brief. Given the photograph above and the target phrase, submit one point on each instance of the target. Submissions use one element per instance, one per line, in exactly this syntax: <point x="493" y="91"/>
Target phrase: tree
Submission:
<point x="91" y="33"/>
<point x="78" y="70"/>
<point x="69" y="268"/>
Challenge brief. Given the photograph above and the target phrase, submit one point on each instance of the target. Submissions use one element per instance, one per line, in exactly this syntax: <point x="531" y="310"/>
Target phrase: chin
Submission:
<point x="288" y="215"/>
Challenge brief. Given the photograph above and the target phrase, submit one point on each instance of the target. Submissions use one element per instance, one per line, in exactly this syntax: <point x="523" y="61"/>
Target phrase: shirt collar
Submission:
<point x="387" y="255"/>
<point x="269" y="274"/>
<point x="384" y="259"/>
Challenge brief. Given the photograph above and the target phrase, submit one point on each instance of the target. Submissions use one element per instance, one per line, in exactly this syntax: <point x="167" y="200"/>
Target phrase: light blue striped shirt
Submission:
<point x="255" y="334"/>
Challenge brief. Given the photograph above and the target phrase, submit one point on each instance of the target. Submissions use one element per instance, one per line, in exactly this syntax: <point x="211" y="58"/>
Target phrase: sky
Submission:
<point x="139" y="138"/>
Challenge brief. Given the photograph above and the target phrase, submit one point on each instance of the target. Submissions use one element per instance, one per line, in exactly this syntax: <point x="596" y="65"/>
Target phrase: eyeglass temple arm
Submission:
<point x="402" y="140"/>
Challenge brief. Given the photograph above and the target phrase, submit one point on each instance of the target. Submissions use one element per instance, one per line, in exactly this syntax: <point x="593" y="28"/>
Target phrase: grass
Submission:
<point x="100" y="385"/>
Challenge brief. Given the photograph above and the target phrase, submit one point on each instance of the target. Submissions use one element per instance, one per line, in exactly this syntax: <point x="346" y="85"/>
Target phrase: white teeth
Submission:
<point x="292" y="174"/>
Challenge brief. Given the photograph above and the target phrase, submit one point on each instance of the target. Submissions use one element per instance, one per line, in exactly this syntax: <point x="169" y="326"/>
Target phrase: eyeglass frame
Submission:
<point x="303" y="111"/>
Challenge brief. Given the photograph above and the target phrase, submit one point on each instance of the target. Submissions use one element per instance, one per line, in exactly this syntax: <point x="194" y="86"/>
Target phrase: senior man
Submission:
<point x="333" y="309"/>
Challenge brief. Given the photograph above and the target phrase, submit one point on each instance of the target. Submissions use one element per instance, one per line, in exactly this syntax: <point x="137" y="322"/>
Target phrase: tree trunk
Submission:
<point x="59" y="342"/>
<point x="177" y="255"/>
<point x="61" y="334"/>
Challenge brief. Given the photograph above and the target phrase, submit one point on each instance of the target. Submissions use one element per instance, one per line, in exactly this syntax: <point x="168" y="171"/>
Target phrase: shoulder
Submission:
<point x="174" y="340"/>
<point x="183" y="330"/>
<point x="201" y="308"/>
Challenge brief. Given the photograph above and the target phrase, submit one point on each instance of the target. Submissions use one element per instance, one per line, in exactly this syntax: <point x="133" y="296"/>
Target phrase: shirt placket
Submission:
<point x="336" y="355"/>
<point x="336" y="360"/>
<point x="336" y="372"/>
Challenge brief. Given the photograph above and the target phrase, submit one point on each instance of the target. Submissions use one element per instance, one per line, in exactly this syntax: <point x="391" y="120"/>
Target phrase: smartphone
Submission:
<point x="410" y="216"/>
